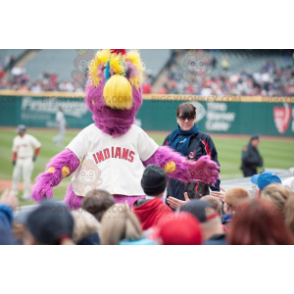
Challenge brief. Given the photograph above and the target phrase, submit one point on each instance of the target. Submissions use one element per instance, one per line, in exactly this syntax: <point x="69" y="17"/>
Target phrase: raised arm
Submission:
<point x="178" y="167"/>
<point x="59" y="167"/>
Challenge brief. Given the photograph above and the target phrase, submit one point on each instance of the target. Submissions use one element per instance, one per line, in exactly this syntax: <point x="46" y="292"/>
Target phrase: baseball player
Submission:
<point x="61" y="123"/>
<point x="25" y="151"/>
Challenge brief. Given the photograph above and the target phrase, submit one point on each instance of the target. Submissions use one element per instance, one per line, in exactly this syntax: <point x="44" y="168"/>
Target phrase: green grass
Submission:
<point x="276" y="154"/>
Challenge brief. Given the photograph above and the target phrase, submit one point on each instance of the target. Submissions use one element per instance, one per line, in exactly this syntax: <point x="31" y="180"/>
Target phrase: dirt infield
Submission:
<point x="6" y="184"/>
<point x="220" y="136"/>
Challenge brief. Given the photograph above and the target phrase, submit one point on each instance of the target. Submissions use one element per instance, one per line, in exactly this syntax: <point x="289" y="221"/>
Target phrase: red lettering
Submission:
<point x="131" y="156"/>
<point x="100" y="156"/>
<point x="106" y="153"/>
<point x="95" y="158"/>
<point x="118" y="153"/>
<point x="112" y="152"/>
<point x="125" y="154"/>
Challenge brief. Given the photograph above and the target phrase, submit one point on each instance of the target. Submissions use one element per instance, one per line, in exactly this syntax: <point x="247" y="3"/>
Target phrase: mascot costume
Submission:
<point x="112" y="153"/>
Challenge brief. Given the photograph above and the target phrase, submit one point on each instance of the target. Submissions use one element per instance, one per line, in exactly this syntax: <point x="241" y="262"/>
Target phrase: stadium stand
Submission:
<point x="227" y="72"/>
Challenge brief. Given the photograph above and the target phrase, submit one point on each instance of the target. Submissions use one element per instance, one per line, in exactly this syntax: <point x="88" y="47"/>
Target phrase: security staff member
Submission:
<point x="251" y="158"/>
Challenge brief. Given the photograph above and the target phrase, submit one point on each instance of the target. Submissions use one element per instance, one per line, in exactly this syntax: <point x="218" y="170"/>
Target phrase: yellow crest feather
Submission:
<point x="116" y="65"/>
<point x="134" y="57"/>
<point x="100" y="58"/>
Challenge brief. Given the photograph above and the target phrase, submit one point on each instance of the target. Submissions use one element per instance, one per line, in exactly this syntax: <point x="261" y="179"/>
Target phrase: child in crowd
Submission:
<point x="150" y="211"/>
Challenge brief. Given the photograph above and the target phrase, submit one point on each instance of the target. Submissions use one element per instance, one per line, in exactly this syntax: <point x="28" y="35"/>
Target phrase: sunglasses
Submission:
<point x="183" y="118"/>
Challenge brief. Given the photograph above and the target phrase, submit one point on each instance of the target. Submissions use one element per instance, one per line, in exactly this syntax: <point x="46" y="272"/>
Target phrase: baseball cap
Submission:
<point x="254" y="137"/>
<point x="178" y="229"/>
<point x="21" y="128"/>
<point x="154" y="180"/>
<point x="50" y="221"/>
<point x="265" y="179"/>
<point x="289" y="183"/>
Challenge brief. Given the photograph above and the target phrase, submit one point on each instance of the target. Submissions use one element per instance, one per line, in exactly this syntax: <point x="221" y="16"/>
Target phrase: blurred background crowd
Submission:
<point x="198" y="72"/>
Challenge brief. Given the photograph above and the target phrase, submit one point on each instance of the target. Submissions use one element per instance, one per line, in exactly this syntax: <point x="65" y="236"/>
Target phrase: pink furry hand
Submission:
<point x="43" y="187"/>
<point x="204" y="169"/>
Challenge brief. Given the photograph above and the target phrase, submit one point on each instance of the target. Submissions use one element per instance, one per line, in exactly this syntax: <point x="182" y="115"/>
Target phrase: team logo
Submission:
<point x="192" y="155"/>
<point x="282" y="117"/>
<point x="196" y="68"/>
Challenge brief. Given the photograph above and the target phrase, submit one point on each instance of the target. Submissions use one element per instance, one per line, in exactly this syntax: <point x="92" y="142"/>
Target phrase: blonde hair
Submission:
<point x="217" y="205"/>
<point x="234" y="195"/>
<point x="289" y="212"/>
<point x="278" y="195"/>
<point x="85" y="224"/>
<point x="119" y="223"/>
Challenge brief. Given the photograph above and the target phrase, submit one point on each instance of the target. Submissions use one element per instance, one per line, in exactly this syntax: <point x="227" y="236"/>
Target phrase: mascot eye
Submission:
<point x="201" y="63"/>
<point x="91" y="173"/>
<point x="83" y="173"/>
<point x="83" y="63"/>
<point x="193" y="63"/>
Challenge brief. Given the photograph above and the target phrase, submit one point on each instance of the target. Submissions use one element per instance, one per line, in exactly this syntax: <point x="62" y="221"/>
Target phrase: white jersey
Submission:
<point x="60" y="119"/>
<point x="24" y="146"/>
<point x="111" y="164"/>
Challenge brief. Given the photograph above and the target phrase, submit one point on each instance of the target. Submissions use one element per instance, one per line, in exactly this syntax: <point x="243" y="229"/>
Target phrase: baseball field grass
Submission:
<point x="276" y="154"/>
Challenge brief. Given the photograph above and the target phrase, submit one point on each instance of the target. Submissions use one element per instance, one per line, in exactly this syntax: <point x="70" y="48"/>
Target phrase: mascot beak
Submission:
<point x="117" y="93"/>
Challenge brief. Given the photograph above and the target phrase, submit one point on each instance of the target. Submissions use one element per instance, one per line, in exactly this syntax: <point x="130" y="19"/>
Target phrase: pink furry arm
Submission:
<point x="178" y="167"/>
<point x="60" y="166"/>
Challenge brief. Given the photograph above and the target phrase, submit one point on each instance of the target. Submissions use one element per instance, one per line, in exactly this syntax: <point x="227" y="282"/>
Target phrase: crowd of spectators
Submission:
<point x="231" y="217"/>
<point x="269" y="80"/>
<point x="199" y="78"/>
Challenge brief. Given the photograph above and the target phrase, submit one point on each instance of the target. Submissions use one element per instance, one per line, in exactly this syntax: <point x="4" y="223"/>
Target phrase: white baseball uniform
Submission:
<point x="60" y="119"/>
<point x="24" y="147"/>
<point x="118" y="159"/>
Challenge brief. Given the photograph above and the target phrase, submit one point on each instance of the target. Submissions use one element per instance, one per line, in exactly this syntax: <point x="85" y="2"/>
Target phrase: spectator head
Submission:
<point x="154" y="181"/>
<point x="97" y="203"/>
<point x="258" y="222"/>
<point x="51" y="224"/>
<point x="85" y="225"/>
<point x="278" y="195"/>
<point x="289" y="212"/>
<point x="178" y="229"/>
<point x="186" y="116"/>
<point x="19" y="226"/>
<point x="119" y="223"/>
<point x="207" y="215"/>
<point x="233" y="196"/>
<point x="265" y="179"/>
<point x="254" y="140"/>
<point x="215" y="202"/>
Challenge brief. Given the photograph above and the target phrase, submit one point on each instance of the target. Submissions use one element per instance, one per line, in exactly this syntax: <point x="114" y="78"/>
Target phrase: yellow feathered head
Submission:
<point x="119" y="73"/>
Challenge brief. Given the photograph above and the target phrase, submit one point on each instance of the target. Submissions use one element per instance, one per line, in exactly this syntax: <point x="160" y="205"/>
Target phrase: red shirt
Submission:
<point x="151" y="212"/>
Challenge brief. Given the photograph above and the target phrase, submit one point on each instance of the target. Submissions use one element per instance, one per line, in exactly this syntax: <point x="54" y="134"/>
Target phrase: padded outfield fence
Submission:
<point x="271" y="116"/>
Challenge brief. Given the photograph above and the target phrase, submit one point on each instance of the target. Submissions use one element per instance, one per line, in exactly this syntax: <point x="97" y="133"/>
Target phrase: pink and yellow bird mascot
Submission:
<point x="112" y="153"/>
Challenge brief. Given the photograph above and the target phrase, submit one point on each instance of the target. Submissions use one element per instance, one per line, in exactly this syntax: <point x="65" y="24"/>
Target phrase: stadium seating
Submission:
<point x="62" y="62"/>
<point x="15" y="52"/>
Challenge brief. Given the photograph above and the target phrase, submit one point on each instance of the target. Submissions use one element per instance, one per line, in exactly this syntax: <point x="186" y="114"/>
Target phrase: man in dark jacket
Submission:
<point x="251" y="158"/>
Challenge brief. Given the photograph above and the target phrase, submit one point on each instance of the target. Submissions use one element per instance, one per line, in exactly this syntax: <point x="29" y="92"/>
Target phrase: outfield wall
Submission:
<point x="272" y="116"/>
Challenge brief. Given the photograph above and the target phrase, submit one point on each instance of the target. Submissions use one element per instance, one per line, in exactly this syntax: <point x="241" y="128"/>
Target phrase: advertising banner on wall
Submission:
<point x="223" y="117"/>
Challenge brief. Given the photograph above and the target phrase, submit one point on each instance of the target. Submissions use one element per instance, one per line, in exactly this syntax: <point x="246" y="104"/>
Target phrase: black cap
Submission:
<point x="254" y="137"/>
<point x="49" y="222"/>
<point x="154" y="180"/>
